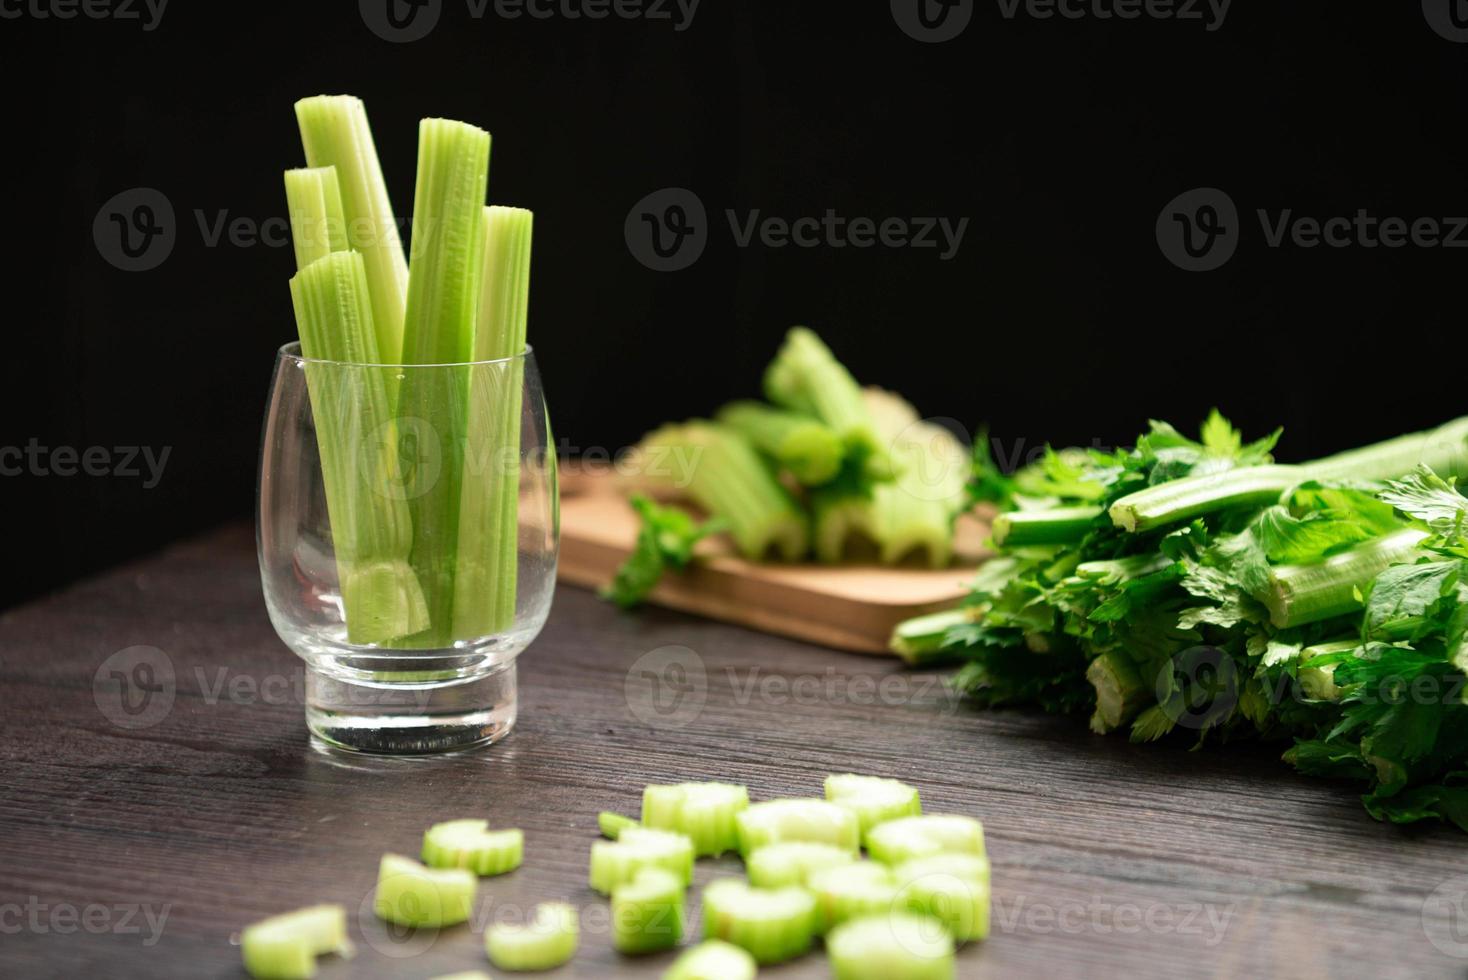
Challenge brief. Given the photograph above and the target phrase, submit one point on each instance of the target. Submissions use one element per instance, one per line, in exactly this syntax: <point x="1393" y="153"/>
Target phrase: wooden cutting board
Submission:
<point x="850" y="607"/>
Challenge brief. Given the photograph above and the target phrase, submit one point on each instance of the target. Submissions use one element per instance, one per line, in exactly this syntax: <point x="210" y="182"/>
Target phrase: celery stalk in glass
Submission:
<point x="484" y="582"/>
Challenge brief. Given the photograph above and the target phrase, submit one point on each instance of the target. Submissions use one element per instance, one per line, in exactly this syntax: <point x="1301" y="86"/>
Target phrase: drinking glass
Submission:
<point x="407" y="533"/>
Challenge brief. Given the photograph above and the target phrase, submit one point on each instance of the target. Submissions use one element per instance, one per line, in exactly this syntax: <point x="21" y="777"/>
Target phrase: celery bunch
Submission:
<point x="829" y="469"/>
<point x="419" y="460"/>
<point x="1196" y="586"/>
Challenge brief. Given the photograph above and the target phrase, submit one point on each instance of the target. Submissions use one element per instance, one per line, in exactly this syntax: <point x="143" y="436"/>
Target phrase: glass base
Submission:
<point x="401" y="713"/>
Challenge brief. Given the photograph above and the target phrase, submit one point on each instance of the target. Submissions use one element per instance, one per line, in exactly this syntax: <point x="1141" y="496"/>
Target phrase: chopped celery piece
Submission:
<point x="411" y="895"/>
<point x="952" y="888"/>
<point x="793" y="862"/>
<point x="772" y="925"/>
<point x="843" y="525"/>
<point x="704" y="812"/>
<point x="913" y="837"/>
<point x="549" y="940"/>
<point x="851" y="891"/>
<point x="1300" y="594"/>
<point x="647" y="912"/>
<point x="713" y="959"/>
<point x="371" y="529"/>
<point x="808" y="448"/>
<point x="874" y="800"/>
<point x="285" y="947"/>
<point x="806" y="377"/>
<point x="898" y="946"/>
<point x="471" y="844"/>
<point x="1120" y="693"/>
<point x="613" y="862"/>
<point x="775" y="821"/>
<point x="488" y="552"/>
<point x="318" y="225"/>
<point x="1057" y="525"/>
<point x="335" y="133"/>
<point x="445" y="272"/>
<point x="721" y="471"/>
<point x="611" y="825"/>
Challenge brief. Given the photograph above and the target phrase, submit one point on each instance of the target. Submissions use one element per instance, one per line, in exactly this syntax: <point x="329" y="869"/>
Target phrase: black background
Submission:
<point x="1060" y="140"/>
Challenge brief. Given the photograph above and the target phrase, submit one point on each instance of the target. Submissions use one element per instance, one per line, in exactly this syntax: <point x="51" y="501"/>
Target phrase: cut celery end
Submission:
<point x="445" y="273"/>
<point x="636" y="848"/>
<point x="913" y="837"/>
<point x="843" y="526"/>
<point x="810" y="450"/>
<point x="968" y="866"/>
<point x="713" y="959"/>
<point x="704" y="812"/>
<point x="409" y="894"/>
<point x="1060" y="525"/>
<point x="775" y="821"/>
<point x="611" y="825"/>
<point x="471" y="844"/>
<point x="793" y="862"/>
<point x="772" y="925"/>
<point x="806" y="377"/>
<point x="285" y="947"/>
<point x="318" y="223"/>
<point x="488" y="552"/>
<point x="335" y="133"/>
<point x="873" y="799"/>
<point x="647" y="912"/>
<point x="924" y="639"/>
<point x="850" y="891"/>
<point x="896" y="946"/>
<point x="905" y="523"/>
<point x="549" y="940"/>
<point x="957" y="899"/>
<point x="1300" y="594"/>
<point x="372" y="531"/>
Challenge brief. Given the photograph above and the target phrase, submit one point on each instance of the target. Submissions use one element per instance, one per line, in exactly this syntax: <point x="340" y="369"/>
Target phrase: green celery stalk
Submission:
<point x="1059" y="525"/>
<point x="841" y="524"/>
<point x="488" y="553"/>
<point x="446" y="271"/>
<point x="1120" y="693"/>
<point x="1300" y="594"/>
<point x="806" y="377"/>
<point x="335" y="133"/>
<point x="920" y="640"/>
<point x="721" y="471"/>
<point x="1445" y="449"/>
<point x="903" y="523"/>
<point x="318" y="223"/>
<point x="808" y="448"/>
<point x="371" y="527"/>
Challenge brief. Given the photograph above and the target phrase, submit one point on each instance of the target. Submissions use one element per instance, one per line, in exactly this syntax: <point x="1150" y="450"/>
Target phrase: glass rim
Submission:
<point x="292" y="351"/>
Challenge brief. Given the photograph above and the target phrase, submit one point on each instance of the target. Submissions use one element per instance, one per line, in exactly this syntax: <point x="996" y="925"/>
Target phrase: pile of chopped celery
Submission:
<point x="823" y="469"/>
<point x="897" y="914"/>
<point x="419" y="566"/>
<point x="1196" y="587"/>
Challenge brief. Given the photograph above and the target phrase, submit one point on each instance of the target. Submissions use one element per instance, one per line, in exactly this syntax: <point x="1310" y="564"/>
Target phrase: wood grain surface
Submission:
<point x="137" y="845"/>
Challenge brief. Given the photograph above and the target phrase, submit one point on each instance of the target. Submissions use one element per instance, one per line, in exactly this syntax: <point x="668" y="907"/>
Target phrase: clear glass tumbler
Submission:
<point x="408" y="527"/>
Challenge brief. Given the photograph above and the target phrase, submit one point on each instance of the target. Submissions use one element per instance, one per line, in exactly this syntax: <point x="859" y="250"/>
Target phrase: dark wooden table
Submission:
<point x="138" y="844"/>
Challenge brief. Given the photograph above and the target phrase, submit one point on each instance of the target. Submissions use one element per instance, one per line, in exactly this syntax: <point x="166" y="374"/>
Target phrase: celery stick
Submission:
<point x="808" y="448"/>
<point x="318" y="223"/>
<point x="806" y="377"/>
<point x="647" y="912"/>
<point x="445" y="273"/>
<point x="546" y="942"/>
<point x="793" y="862"/>
<point x="371" y="528"/>
<point x="952" y="888"/>
<point x="335" y="133"/>
<point x="471" y="844"/>
<point x="773" y="925"/>
<point x="1300" y="594"/>
<point x="285" y="947"/>
<point x="705" y="812"/>
<point x="774" y="821"/>
<point x="923" y="640"/>
<point x="409" y="894"/>
<point x="611" y="825"/>
<point x="844" y="525"/>
<point x="873" y="799"/>
<point x="722" y="472"/>
<point x="1120" y="693"/>
<point x="901" y="840"/>
<point x="896" y="946"/>
<point x="850" y="891"/>
<point x="484" y="582"/>
<point x="1060" y="525"/>
<point x="636" y="848"/>
<point x="904" y="523"/>
<point x="713" y="959"/>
